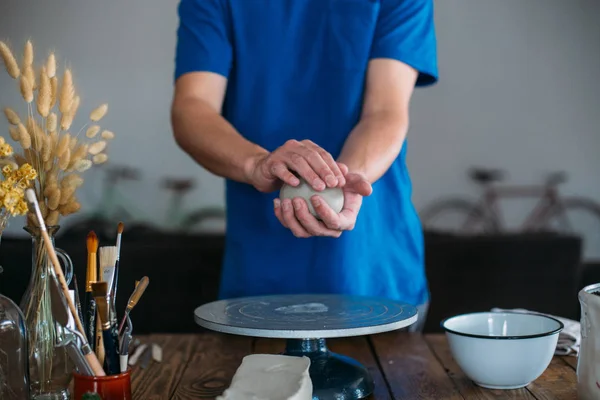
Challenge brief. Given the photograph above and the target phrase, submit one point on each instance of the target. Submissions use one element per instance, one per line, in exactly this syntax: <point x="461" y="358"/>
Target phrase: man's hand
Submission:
<point x="295" y="215"/>
<point x="267" y="172"/>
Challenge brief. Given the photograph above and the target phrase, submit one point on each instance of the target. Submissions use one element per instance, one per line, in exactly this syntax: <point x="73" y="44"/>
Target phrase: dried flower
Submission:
<point x="97" y="147"/>
<point x="100" y="158"/>
<point x="24" y="137"/>
<point x="92" y="131"/>
<point x="108" y="135"/>
<point x="63" y="145"/>
<point x="63" y="161"/>
<point x="44" y="95"/>
<point x="11" y="116"/>
<point x="51" y="66"/>
<point x="51" y="122"/>
<point x="29" y="74"/>
<point x="28" y="55"/>
<point x="83" y="165"/>
<point x="98" y="113"/>
<point x="67" y="118"/>
<point x="26" y="89"/>
<point x="14" y="133"/>
<point x="9" y="61"/>
<point x="52" y="218"/>
<point x="53" y="91"/>
<point x="67" y="92"/>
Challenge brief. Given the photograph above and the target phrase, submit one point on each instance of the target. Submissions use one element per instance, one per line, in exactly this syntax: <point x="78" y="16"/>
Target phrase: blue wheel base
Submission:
<point x="333" y="376"/>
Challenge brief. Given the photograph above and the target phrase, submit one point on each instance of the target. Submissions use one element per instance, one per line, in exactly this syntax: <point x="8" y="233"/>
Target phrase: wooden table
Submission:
<point x="403" y="366"/>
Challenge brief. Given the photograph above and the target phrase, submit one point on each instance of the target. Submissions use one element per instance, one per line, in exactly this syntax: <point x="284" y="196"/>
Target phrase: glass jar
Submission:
<point x="14" y="368"/>
<point x="50" y="368"/>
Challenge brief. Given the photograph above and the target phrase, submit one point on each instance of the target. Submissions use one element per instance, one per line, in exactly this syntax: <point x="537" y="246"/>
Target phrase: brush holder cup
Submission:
<point x="111" y="387"/>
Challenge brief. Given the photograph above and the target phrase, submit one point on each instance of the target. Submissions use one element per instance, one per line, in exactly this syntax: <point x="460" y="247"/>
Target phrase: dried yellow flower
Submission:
<point x="98" y="113"/>
<point x="97" y="147"/>
<point x="9" y="61"/>
<point x="108" y="135"/>
<point x="51" y="122"/>
<point x="20" y="159"/>
<point x="11" y="116"/>
<point x="6" y="150"/>
<point x="100" y="158"/>
<point x="51" y="66"/>
<point x="92" y="131"/>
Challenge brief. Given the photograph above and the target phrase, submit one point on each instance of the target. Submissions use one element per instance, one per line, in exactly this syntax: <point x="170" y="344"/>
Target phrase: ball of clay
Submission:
<point x="334" y="197"/>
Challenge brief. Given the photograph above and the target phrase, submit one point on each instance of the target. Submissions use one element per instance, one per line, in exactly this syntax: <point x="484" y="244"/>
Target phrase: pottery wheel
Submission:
<point x="305" y="316"/>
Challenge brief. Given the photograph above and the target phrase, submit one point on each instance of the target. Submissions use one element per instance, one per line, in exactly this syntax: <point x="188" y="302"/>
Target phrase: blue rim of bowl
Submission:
<point x="561" y="326"/>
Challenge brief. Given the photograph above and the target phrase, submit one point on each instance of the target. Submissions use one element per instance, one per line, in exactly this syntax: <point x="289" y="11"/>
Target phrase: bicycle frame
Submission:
<point x="549" y="200"/>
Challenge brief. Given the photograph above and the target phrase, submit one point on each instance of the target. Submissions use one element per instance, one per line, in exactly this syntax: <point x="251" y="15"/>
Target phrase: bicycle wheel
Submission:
<point x="577" y="216"/>
<point x="456" y="216"/>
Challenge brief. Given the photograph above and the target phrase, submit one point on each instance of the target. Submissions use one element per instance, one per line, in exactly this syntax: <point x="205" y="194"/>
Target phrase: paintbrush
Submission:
<point x="35" y="207"/>
<point x="89" y="306"/>
<point x="113" y="292"/>
<point x="134" y="298"/>
<point x="111" y="343"/>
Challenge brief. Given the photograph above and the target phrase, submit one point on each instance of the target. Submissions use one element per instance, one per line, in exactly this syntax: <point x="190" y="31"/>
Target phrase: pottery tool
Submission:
<point x="35" y="207"/>
<point x="113" y="292"/>
<point x="60" y="312"/>
<point x="99" y="344"/>
<point x="89" y="306"/>
<point x="137" y="353"/>
<point x="111" y="343"/>
<point x="125" y="344"/>
<point x="146" y="358"/>
<point x="134" y="298"/>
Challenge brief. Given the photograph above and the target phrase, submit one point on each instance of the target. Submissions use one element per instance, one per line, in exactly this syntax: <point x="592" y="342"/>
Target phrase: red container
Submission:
<point x="113" y="387"/>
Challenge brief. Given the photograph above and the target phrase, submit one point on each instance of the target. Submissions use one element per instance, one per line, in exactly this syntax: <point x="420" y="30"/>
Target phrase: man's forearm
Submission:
<point x="374" y="144"/>
<point x="211" y="141"/>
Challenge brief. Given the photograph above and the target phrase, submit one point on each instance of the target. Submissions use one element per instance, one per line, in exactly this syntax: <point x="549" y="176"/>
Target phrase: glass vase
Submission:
<point x="50" y="368"/>
<point x="14" y="368"/>
<point x="588" y="363"/>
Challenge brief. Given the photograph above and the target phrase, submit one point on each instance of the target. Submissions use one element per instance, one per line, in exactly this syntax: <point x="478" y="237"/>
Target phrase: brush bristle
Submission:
<point x="92" y="242"/>
<point x="120" y="228"/>
<point x="108" y="256"/>
<point x="99" y="289"/>
<point x="30" y="194"/>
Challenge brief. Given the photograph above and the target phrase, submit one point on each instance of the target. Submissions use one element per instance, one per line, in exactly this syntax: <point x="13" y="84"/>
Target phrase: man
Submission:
<point x="265" y="88"/>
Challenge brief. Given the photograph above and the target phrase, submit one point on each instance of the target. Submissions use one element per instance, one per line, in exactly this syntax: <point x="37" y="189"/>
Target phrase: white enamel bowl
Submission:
<point x="502" y="350"/>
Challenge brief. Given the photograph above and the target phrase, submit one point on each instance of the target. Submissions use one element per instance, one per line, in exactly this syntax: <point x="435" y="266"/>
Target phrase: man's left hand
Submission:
<point x="295" y="215"/>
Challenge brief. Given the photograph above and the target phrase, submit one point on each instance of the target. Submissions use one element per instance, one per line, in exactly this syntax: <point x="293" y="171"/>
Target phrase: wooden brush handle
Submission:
<point x="98" y="371"/>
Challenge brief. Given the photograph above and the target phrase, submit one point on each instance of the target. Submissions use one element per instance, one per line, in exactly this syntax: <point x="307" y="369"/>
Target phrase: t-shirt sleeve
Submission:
<point x="405" y="32"/>
<point x="203" y="41"/>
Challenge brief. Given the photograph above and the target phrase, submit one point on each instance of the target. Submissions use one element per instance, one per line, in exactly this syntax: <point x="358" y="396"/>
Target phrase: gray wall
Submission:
<point x="518" y="91"/>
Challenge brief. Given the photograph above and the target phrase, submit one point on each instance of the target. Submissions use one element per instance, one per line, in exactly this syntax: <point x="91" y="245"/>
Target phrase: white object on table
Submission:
<point x="569" y="340"/>
<point x="270" y="377"/>
<point x="137" y="354"/>
<point x="588" y="364"/>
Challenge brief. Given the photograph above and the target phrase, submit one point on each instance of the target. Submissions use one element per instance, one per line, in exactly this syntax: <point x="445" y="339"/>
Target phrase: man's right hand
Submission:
<point x="267" y="172"/>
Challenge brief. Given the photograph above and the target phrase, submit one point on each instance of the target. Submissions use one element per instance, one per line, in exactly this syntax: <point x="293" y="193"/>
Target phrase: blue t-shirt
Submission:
<point x="296" y="70"/>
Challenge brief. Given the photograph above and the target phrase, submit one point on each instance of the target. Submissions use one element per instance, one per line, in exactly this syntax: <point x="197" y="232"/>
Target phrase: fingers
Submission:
<point x="298" y="163"/>
<point x="330" y="218"/>
<point x="344" y="168"/>
<point x="279" y="169"/>
<point x="290" y="220"/>
<point x="357" y="184"/>
<point x="308" y="221"/>
<point x="338" y="177"/>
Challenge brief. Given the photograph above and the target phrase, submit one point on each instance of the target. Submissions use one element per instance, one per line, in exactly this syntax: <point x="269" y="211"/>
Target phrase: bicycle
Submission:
<point x="552" y="213"/>
<point x="180" y="220"/>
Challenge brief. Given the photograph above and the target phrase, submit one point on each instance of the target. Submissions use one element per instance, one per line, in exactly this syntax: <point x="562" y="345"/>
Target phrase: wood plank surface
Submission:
<point x="159" y="380"/>
<point x="411" y="369"/>
<point x="212" y="365"/>
<point x="467" y="388"/>
<point x="557" y="382"/>
<point x="571" y="361"/>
